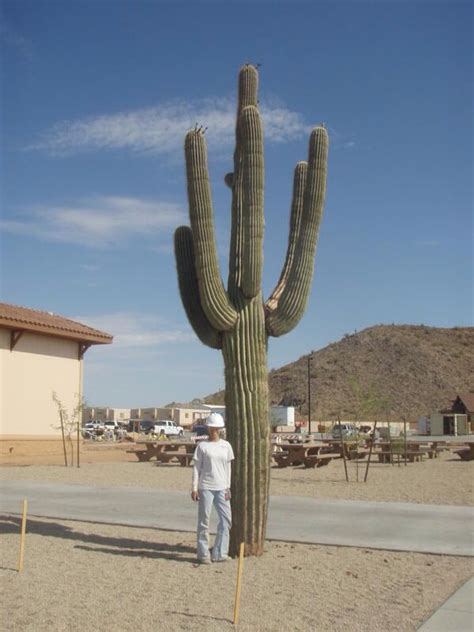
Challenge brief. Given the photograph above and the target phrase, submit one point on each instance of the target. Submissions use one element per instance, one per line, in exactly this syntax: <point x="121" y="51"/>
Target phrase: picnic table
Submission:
<point x="351" y="452"/>
<point x="389" y="452"/>
<point x="307" y="454"/>
<point x="435" y="447"/>
<point x="466" y="453"/>
<point x="166" y="451"/>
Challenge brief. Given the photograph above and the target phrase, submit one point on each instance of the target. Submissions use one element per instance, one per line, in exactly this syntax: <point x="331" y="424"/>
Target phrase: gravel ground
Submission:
<point x="86" y="577"/>
<point x="82" y="576"/>
<point x="443" y="481"/>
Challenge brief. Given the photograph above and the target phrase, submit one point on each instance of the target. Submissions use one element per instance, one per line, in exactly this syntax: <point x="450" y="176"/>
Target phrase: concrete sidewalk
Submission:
<point x="446" y="530"/>
<point x="456" y="614"/>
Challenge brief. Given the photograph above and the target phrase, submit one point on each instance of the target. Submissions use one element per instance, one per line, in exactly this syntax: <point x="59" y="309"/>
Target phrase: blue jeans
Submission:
<point x="207" y="498"/>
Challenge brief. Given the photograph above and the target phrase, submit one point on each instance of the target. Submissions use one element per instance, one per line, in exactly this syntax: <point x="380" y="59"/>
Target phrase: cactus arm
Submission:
<point x="299" y="184"/>
<point x="247" y="96"/>
<point x="248" y="87"/>
<point x="291" y="303"/>
<point x="215" y="302"/>
<point x="189" y="289"/>
<point x="252" y="201"/>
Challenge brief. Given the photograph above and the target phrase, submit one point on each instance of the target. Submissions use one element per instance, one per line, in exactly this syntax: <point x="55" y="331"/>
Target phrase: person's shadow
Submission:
<point x="128" y="547"/>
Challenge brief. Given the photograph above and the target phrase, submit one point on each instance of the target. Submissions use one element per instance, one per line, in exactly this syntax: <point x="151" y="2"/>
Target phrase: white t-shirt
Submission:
<point x="211" y="463"/>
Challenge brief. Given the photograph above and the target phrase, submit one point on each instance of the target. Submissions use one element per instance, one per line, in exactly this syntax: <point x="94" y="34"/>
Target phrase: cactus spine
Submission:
<point x="238" y="321"/>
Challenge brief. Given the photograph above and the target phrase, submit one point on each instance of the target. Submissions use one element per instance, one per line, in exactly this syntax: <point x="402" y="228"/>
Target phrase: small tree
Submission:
<point x="370" y="402"/>
<point x="69" y="423"/>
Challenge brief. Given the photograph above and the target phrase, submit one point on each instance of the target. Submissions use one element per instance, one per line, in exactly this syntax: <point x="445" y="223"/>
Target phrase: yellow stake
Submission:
<point x="239" y="582"/>
<point x="22" y="537"/>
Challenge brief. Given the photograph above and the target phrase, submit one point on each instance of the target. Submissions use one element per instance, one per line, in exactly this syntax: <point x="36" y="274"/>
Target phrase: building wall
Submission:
<point x="215" y="408"/>
<point x="460" y="425"/>
<point x="37" y="366"/>
<point x="282" y="415"/>
<point x="95" y="414"/>
<point x="186" y="417"/>
<point x="120" y="414"/>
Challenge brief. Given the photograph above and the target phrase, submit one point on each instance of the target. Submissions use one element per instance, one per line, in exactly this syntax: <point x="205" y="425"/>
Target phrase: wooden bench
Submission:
<point x="163" y="456"/>
<point x="314" y="460"/>
<point x="465" y="454"/>
<point x="281" y="458"/>
<point x="183" y="458"/>
<point x="412" y="456"/>
<point x="433" y="453"/>
<point x="142" y="455"/>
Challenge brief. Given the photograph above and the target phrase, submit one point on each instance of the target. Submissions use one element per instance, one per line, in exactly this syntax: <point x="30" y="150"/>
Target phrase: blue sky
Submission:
<point x="97" y="97"/>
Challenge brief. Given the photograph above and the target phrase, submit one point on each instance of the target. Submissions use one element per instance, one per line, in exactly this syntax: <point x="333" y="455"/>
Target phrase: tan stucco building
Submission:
<point x="184" y="417"/>
<point x="40" y="353"/>
<point x="101" y="413"/>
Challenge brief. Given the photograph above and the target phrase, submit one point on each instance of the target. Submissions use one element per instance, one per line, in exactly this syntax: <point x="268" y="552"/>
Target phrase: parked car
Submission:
<point x="346" y="430"/>
<point x="94" y="425"/>
<point x="199" y="433"/>
<point x="145" y="426"/>
<point x="168" y="427"/>
<point x="111" y="425"/>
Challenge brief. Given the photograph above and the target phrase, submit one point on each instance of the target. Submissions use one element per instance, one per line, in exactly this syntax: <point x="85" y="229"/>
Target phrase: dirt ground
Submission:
<point x="85" y="576"/>
<point x="443" y="481"/>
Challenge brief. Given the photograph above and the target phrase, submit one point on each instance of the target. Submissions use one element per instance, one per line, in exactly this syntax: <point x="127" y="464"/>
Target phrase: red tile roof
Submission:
<point x="25" y="319"/>
<point x="468" y="401"/>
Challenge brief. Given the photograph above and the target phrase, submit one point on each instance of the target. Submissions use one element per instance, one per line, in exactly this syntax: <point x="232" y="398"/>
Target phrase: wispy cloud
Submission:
<point x="13" y="40"/>
<point x="427" y="243"/>
<point x="101" y="221"/>
<point x="89" y="267"/>
<point x="161" y="129"/>
<point x="136" y="330"/>
<point x="341" y="140"/>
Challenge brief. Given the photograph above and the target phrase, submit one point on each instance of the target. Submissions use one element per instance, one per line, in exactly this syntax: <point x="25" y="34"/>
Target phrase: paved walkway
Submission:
<point x="445" y="530"/>
<point x="456" y="614"/>
<point x="448" y="530"/>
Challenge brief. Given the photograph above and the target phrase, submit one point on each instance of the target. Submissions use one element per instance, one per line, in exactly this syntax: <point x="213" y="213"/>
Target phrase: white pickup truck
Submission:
<point x="169" y="428"/>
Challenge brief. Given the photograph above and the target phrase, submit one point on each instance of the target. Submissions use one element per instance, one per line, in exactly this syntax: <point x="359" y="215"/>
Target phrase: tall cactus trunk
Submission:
<point x="236" y="320"/>
<point x="245" y="357"/>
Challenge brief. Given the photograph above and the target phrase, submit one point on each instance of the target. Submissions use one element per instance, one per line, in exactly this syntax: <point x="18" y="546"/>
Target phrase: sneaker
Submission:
<point x="204" y="560"/>
<point x="226" y="558"/>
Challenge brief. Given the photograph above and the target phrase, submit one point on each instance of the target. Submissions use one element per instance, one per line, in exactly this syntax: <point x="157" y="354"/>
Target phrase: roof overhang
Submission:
<point x="18" y="328"/>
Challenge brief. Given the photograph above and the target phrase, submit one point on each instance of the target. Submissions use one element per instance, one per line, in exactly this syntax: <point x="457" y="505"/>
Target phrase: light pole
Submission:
<point x="309" y="393"/>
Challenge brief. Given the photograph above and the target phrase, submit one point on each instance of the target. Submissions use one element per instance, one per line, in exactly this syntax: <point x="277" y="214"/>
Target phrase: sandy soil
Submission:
<point x="446" y="481"/>
<point x="81" y="576"/>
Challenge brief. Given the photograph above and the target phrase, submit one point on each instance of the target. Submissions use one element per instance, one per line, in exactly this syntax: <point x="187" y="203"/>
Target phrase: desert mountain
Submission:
<point x="399" y="370"/>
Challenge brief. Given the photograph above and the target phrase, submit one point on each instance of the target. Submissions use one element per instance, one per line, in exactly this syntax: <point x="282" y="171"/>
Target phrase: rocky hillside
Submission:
<point x="402" y="370"/>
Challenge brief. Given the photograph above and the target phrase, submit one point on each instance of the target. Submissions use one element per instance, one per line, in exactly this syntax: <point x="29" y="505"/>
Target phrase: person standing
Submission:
<point x="211" y="486"/>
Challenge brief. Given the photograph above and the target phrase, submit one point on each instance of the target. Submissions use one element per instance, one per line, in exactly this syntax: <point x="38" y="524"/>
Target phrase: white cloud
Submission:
<point x="135" y="330"/>
<point x="161" y="129"/>
<point x="427" y="243"/>
<point x="12" y="39"/>
<point x="101" y="221"/>
<point x="89" y="267"/>
<point x="341" y="140"/>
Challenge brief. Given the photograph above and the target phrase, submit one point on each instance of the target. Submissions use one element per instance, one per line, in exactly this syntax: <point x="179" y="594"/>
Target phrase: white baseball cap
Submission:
<point x="215" y="421"/>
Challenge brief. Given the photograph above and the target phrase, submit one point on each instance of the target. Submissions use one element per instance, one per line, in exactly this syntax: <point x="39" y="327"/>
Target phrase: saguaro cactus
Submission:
<point x="238" y="321"/>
